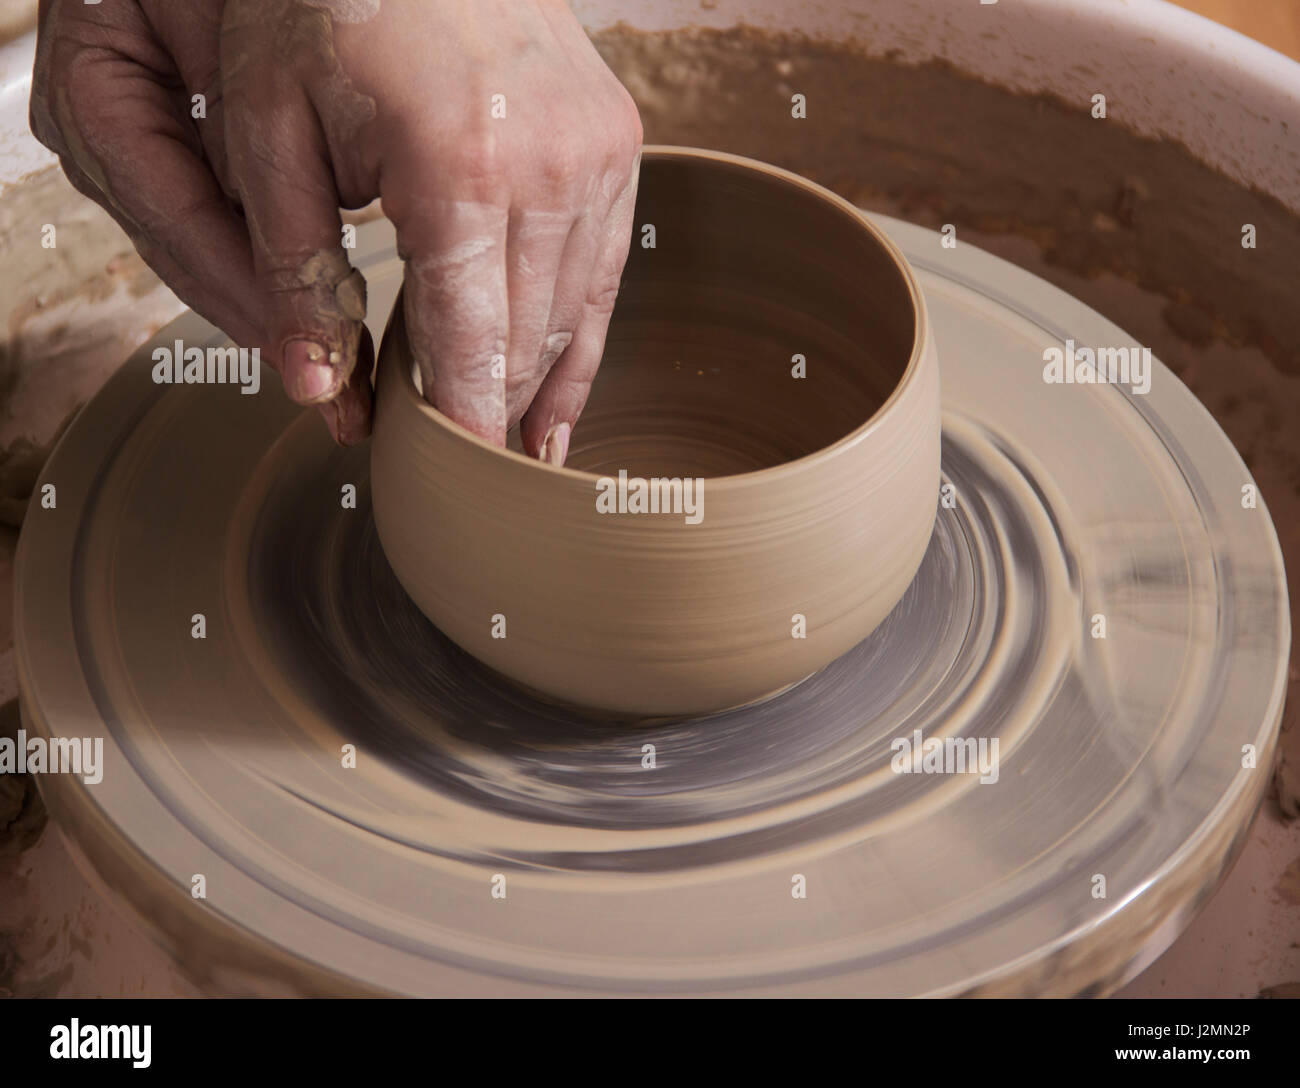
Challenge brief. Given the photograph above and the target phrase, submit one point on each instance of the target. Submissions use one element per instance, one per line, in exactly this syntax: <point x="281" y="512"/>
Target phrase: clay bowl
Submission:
<point x="819" y="491"/>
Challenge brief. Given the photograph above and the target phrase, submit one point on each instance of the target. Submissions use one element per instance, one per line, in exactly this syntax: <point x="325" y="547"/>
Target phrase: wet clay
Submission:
<point x="769" y="354"/>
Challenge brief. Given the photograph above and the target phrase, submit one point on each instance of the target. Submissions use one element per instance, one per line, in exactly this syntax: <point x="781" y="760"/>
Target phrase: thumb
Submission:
<point x="315" y="299"/>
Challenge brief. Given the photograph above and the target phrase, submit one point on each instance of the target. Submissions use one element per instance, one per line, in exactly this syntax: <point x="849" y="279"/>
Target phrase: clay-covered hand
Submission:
<point x="505" y="152"/>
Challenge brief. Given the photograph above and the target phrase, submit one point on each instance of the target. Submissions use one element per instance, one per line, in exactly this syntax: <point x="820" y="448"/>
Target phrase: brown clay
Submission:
<point x="815" y="482"/>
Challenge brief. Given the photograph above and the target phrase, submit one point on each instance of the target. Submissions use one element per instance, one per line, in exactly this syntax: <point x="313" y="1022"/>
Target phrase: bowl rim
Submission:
<point x="911" y="376"/>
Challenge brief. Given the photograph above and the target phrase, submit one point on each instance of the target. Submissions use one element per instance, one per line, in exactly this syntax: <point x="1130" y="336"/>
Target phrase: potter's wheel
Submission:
<point x="1119" y="756"/>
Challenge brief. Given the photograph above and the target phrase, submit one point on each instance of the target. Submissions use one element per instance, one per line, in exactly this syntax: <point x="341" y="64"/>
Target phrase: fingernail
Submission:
<point x="555" y="446"/>
<point x="308" y="377"/>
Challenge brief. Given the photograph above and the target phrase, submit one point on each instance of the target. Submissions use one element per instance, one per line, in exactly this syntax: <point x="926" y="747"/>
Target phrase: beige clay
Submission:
<point x="773" y="345"/>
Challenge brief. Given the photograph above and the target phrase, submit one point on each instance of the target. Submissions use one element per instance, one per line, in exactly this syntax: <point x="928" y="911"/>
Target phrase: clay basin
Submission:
<point x="819" y="491"/>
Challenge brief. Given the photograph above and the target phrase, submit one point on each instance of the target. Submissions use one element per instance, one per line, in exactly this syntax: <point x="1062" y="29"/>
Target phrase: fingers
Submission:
<point x="507" y="222"/>
<point x="348" y="415"/>
<point x="535" y="248"/>
<point x="236" y="316"/>
<point x="190" y="33"/>
<point x="547" y="425"/>
<point x="160" y="191"/>
<point x="315" y="301"/>
<point x="112" y="98"/>
<point x="127" y="143"/>
<point x="457" y="308"/>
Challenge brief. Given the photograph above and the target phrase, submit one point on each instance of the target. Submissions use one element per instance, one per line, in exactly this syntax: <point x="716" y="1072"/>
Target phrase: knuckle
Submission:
<point x="621" y="141"/>
<point x="471" y="349"/>
<point x="39" y="117"/>
<point x="602" y="294"/>
<point x="480" y="160"/>
<point x="621" y="124"/>
<point x="630" y="126"/>
<point x="565" y="160"/>
<point x="43" y="118"/>
<point x="42" y="125"/>
<point x="518" y="383"/>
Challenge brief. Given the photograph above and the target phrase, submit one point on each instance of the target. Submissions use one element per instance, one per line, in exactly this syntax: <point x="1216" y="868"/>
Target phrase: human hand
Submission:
<point x="505" y="152"/>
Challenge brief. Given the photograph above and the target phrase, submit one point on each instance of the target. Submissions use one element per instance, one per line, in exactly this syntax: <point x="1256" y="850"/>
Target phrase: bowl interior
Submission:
<point x="748" y="270"/>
